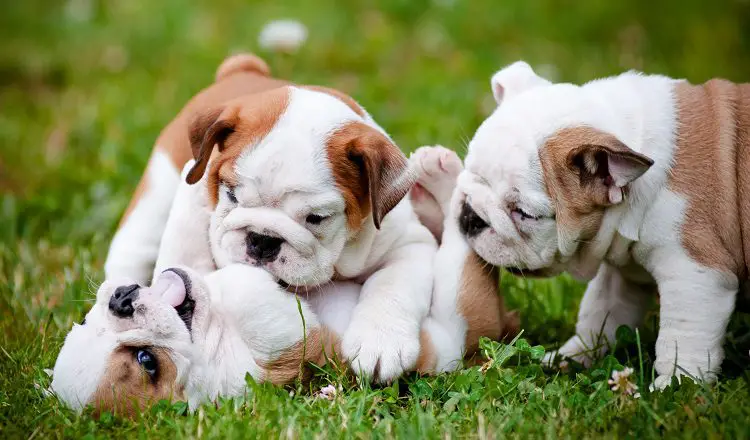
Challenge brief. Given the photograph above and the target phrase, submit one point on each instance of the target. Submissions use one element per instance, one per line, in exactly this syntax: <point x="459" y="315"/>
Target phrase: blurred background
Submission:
<point x="86" y="86"/>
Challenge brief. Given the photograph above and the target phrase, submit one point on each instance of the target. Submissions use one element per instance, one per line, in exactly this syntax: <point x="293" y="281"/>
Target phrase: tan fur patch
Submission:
<point x="127" y="389"/>
<point x="369" y="170"/>
<point x="579" y="204"/>
<point x="427" y="360"/>
<point x="482" y="305"/>
<point x="343" y="97"/>
<point x="321" y="344"/>
<point x="173" y="140"/>
<point x="244" y="62"/>
<point x="242" y="122"/>
<point x="711" y="171"/>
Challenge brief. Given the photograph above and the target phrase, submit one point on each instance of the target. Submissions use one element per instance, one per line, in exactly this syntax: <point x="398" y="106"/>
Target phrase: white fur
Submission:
<point x="135" y="246"/>
<point x="185" y="240"/>
<point x="503" y="166"/>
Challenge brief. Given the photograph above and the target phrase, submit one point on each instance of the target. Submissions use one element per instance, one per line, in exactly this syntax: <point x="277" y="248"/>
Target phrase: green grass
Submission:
<point x="84" y="95"/>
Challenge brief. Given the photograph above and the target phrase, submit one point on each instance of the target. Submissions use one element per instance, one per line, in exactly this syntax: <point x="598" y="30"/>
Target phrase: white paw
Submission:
<point x="380" y="349"/>
<point x="437" y="169"/>
<point x="573" y="349"/>
<point x="662" y="382"/>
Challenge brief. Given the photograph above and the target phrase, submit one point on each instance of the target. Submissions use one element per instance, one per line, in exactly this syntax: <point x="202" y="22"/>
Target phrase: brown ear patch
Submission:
<point x="321" y="344"/>
<point x="127" y="389"/>
<point x="209" y="129"/>
<point x="239" y="125"/>
<point x="579" y="203"/>
<point x="370" y="171"/>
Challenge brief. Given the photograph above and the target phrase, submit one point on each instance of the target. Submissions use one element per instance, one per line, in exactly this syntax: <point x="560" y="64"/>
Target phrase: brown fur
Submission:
<point x="369" y="170"/>
<point x="575" y="176"/>
<point x="321" y="344"/>
<point x="239" y="123"/>
<point x="711" y="171"/>
<point x="243" y="62"/>
<point x="427" y="360"/>
<point x="480" y="303"/>
<point x="126" y="388"/>
<point x="240" y="80"/>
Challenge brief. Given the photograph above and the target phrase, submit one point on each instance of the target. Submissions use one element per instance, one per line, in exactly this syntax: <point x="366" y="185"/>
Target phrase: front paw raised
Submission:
<point x="381" y="349"/>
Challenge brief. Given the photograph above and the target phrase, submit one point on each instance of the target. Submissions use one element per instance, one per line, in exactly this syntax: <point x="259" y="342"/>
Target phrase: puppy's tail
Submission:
<point x="242" y="62"/>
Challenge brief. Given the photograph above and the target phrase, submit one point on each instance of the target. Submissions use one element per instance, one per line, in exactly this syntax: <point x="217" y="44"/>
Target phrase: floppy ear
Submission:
<point x="370" y="171"/>
<point x="206" y="130"/>
<point x="386" y="170"/>
<point x="514" y="79"/>
<point x="609" y="165"/>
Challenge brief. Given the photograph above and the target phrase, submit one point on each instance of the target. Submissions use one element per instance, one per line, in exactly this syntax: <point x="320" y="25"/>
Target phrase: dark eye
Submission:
<point x="230" y="194"/>
<point x="147" y="361"/>
<point x="524" y="215"/>
<point x="314" y="219"/>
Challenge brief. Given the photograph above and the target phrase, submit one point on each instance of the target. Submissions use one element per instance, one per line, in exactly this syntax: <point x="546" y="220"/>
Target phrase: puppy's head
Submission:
<point x="296" y="173"/>
<point x="135" y="345"/>
<point x="541" y="171"/>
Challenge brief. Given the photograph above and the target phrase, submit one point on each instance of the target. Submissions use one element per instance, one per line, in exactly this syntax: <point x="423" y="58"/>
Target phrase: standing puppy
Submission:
<point x="304" y="184"/>
<point x="636" y="182"/>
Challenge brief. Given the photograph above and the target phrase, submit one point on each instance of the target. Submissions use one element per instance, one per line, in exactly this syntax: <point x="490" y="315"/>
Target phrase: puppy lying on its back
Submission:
<point x="637" y="182"/>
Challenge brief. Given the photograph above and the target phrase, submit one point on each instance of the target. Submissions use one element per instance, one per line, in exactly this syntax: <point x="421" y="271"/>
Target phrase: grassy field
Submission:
<point x="86" y="85"/>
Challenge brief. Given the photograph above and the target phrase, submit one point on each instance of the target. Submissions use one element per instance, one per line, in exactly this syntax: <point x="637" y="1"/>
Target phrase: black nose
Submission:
<point x="121" y="303"/>
<point x="263" y="248"/>
<point x="469" y="222"/>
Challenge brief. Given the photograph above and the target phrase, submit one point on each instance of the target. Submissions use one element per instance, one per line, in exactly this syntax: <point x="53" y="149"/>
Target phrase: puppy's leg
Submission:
<point x="185" y="240"/>
<point x="382" y="340"/>
<point x="695" y="306"/>
<point x="437" y="169"/>
<point x="609" y="302"/>
<point x="281" y="329"/>
<point x="466" y="304"/>
<point x="135" y="246"/>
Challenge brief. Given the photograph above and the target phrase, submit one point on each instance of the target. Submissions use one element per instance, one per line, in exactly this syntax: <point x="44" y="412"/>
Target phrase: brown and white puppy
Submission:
<point x="636" y="182"/>
<point x="304" y="184"/>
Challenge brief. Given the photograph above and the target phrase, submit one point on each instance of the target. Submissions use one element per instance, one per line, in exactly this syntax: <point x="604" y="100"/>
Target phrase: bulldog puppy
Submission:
<point x="304" y="184"/>
<point x="636" y="182"/>
<point x="192" y="338"/>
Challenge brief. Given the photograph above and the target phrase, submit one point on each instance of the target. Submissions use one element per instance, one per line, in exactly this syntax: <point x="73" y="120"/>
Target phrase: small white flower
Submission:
<point x="621" y="382"/>
<point x="282" y="36"/>
<point x="327" y="392"/>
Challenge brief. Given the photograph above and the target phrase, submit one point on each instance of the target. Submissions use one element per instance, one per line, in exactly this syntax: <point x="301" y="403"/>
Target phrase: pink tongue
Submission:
<point x="171" y="288"/>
